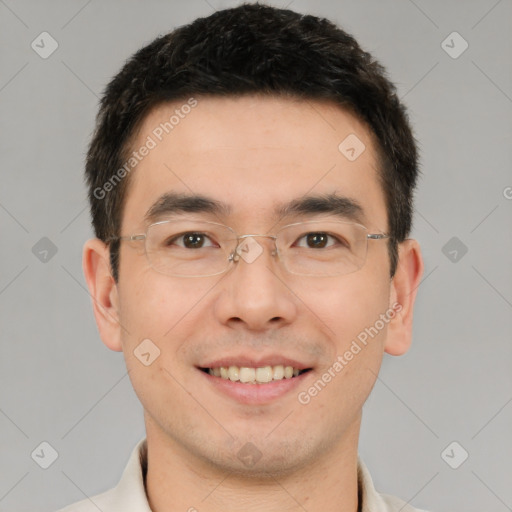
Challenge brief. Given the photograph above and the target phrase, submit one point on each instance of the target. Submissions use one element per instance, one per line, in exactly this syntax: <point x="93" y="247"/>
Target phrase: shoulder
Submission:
<point x="394" y="504"/>
<point x="128" y="496"/>
<point x="374" y="501"/>
<point x="104" y="501"/>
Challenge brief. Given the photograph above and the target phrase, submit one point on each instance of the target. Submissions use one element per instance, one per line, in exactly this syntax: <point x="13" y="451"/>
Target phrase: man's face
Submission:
<point x="254" y="155"/>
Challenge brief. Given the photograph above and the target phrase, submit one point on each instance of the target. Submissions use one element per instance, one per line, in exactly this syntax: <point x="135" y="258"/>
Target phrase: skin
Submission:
<point x="252" y="153"/>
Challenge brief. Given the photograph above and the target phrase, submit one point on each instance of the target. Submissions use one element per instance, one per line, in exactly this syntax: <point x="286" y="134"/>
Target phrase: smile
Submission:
<point x="248" y="375"/>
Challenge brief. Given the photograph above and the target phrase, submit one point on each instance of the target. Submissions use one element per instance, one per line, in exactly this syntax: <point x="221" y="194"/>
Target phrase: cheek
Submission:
<point x="158" y="314"/>
<point x="159" y="307"/>
<point x="350" y="310"/>
<point x="348" y="306"/>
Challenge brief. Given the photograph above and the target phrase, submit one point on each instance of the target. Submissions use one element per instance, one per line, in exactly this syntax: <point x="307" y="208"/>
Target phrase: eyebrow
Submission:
<point x="340" y="206"/>
<point x="171" y="202"/>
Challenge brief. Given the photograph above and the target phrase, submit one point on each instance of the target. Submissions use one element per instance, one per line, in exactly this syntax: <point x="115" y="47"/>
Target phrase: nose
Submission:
<point x="254" y="293"/>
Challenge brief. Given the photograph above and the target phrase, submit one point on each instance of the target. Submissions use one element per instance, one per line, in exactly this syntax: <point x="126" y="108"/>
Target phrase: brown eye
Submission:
<point x="316" y="240"/>
<point x="191" y="240"/>
<point x="321" y="240"/>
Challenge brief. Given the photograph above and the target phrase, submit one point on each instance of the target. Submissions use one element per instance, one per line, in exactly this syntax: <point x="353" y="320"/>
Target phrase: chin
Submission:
<point x="259" y="457"/>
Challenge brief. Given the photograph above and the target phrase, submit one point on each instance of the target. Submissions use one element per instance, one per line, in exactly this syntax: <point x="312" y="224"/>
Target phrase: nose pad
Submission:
<point x="250" y="250"/>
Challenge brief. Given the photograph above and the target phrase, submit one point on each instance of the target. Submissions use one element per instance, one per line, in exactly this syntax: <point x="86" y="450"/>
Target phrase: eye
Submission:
<point x="190" y="240"/>
<point x="320" y="240"/>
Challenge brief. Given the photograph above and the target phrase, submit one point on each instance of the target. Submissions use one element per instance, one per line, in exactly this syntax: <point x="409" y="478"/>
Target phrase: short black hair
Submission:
<point x="251" y="49"/>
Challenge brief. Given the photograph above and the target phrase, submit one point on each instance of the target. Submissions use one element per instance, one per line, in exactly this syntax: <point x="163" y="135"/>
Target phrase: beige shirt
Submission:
<point x="130" y="495"/>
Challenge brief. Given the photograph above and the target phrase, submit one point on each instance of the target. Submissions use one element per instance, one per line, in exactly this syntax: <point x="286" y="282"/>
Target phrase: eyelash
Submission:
<point x="180" y="236"/>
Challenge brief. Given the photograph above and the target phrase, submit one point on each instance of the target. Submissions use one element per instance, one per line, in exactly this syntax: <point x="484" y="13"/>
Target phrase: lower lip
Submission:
<point x="255" y="394"/>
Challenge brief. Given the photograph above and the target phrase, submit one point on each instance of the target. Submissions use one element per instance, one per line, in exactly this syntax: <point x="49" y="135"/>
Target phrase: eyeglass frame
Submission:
<point x="235" y="256"/>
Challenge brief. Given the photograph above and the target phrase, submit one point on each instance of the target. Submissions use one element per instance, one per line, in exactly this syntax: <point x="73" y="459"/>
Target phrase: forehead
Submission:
<point x="253" y="153"/>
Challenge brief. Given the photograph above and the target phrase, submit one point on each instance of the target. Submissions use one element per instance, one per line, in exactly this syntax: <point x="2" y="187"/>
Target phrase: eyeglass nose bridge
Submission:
<point x="235" y="255"/>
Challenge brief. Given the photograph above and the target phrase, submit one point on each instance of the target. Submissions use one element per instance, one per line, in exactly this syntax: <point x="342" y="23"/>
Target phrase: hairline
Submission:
<point x="130" y="144"/>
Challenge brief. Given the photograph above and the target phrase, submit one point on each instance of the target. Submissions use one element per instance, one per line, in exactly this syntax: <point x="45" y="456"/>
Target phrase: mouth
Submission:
<point x="257" y="381"/>
<point x="255" y="375"/>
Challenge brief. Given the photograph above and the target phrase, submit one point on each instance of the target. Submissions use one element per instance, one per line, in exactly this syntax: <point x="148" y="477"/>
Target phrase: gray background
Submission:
<point x="60" y="384"/>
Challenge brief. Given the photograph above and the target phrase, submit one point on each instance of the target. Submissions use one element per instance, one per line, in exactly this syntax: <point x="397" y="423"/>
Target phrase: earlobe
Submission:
<point x="404" y="287"/>
<point x="103" y="291"/>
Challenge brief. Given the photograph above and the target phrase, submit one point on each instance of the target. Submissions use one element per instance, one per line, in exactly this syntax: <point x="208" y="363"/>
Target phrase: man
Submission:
<point x="251" y="180"/>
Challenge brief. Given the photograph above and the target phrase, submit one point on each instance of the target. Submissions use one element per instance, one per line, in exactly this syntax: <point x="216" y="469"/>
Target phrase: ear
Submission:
<point x="103" y="291"/>
<point x="404" y="286"/>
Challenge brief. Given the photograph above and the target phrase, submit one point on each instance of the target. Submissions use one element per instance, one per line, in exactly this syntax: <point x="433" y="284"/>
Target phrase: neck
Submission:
<point x="177" y="480"/>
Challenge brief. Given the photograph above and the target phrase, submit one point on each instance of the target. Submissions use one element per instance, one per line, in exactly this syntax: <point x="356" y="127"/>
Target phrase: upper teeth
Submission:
<point x="253" y="375"/>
